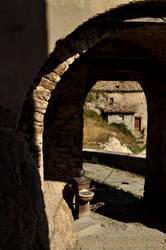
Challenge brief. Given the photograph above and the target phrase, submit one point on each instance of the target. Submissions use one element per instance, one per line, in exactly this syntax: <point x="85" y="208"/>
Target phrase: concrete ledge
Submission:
<point x="127" y="162"/>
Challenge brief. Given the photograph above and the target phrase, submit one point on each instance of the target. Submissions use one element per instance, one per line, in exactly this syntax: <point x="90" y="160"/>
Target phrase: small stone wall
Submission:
<point x="61" y="233"/>
<point x="123" y="161"/>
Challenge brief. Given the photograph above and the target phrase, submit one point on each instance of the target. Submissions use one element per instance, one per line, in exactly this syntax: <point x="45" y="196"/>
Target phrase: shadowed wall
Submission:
<point x="23" y="49"/>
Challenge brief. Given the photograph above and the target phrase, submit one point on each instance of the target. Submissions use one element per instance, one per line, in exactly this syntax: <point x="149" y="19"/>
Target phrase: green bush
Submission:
<point x="90" y="97"/>
<point x="92" y="114"/>
<point x="122" y="128"/>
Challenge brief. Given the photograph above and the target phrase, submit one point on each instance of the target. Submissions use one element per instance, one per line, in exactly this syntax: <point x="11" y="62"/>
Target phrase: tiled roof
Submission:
<point x="118" y="86"/>
<point x="120" y="108"/>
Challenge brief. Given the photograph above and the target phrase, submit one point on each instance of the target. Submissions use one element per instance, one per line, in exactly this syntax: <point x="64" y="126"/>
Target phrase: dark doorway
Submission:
<point x="137" y="123"/>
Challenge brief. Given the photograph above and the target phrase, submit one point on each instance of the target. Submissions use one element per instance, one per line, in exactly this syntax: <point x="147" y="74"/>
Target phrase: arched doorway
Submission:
<point x="115" y="117"/>
<point x="108" y="60"/>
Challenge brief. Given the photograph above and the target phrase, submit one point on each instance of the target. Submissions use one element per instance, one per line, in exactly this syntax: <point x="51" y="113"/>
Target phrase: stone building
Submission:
<point x="41" y="120"/>
<point x="125" y="103"/>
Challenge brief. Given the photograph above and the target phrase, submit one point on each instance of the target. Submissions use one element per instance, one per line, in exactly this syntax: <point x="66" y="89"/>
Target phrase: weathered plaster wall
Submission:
<point x="114" y="118"/>
<point x="128" y="120"/>
<point x="64" y="16"/>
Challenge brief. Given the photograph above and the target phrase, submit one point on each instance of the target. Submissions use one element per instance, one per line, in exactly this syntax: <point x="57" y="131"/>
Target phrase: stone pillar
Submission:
<point x="155" y="181"/>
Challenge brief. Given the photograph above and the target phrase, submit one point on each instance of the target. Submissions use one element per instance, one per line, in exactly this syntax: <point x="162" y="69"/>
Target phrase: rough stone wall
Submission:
<point x="24" y="223"/>
<point x="60" y="218"/>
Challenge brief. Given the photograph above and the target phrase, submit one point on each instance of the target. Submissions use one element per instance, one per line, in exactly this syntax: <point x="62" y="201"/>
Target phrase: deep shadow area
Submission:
<point x="124" y="206"/>
<point x="23" y="50"/>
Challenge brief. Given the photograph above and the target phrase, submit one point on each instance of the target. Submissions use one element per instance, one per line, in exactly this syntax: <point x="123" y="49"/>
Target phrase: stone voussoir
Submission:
<point x="40" y="110"/>
<point x="40" y="104"/>
<point x="38" y="129"/>
<point x="71" y="59"/>
<point x="38" y="117"/>
<point x="60" y="69"/>
<point x="41" y="94"/>
<point x="38" y="138"/>
<point x="53" y="76"/>
<point x="47" y="84"/>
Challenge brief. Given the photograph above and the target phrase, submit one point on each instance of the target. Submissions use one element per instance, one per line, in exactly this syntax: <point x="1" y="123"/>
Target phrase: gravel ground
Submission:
<point x="118" y="219"/>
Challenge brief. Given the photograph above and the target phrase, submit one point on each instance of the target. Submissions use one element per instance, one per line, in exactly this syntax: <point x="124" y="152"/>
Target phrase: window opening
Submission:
<point x="111" y="101"/>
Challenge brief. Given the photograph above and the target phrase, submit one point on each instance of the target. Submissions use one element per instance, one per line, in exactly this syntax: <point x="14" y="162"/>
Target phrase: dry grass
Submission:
<point x="97" y="132"/>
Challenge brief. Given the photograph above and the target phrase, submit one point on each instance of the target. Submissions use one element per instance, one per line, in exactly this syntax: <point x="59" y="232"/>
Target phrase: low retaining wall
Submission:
<point x="127" y="162"/>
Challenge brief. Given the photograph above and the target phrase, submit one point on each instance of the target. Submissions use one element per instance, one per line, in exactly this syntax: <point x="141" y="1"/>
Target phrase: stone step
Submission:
<point x="90" y="230"/>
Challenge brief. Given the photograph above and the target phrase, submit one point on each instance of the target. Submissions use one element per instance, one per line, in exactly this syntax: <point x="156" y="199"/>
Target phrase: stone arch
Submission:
<point x="63" y="147"/>
<point x="59" y="67"/>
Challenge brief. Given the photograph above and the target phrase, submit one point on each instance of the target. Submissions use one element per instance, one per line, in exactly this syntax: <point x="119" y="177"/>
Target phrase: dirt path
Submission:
<point x="120" y="222"/>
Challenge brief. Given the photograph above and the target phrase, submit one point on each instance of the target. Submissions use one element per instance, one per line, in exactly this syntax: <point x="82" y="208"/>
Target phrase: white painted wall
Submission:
<point x="127" y="119"/>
